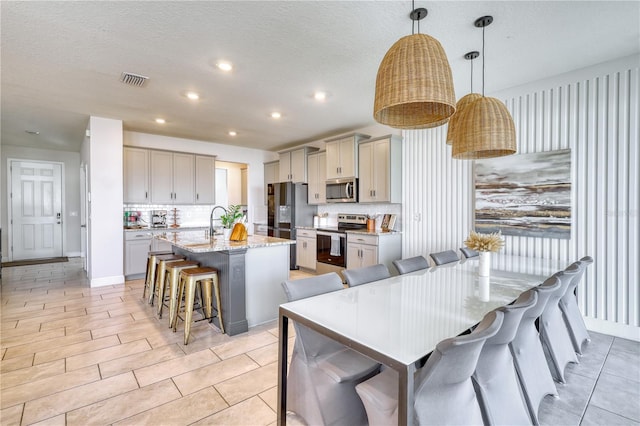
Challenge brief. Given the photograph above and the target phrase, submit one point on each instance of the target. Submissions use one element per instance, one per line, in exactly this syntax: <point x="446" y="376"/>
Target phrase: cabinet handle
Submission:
<point x="145" y="195"/>
<point x="197" y="196"/>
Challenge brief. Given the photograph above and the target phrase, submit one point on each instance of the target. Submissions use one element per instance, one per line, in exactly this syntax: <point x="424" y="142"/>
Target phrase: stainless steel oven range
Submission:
<point x="331" y="243"/>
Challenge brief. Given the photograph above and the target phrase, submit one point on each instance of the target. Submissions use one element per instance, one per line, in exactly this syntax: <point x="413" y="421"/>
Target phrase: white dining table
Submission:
<point x="399" y="321"/>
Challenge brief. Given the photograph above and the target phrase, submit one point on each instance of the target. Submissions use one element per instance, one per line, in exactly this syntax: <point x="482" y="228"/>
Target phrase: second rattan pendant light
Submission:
<point x="414" y="86"/>
<point x="486" y="129"/>
<point x="464" y="102"/>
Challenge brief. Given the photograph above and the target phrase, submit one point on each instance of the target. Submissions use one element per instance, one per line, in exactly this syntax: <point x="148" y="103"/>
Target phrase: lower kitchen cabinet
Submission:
<point x="136" y="251"/>
<point x="160" y="245"/>
<point x="306" y="249"/>
<point x="371" y="249"/>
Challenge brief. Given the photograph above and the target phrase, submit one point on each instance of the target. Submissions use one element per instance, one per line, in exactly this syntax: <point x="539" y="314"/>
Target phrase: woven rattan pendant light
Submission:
<point x="454" y="121"/>
<point x="414" y="86"/>
<point x="486" y="128"/>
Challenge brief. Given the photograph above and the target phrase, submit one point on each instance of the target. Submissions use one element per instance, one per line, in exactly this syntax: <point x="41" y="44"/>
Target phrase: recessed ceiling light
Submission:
<point x="276" y="115"/>
<point x="224" y="66"/>
<point x="320" y="96"/>
<point x="32" y="132"/>
<point x="160" y="120"/>
<point x="232" y="133"/>
<point x="193" y="96"/>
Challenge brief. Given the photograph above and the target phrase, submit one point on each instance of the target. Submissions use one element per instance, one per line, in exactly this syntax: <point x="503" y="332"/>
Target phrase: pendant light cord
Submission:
<point x="471" y="75"/>
<point x="413" y="22"/>
<point x="482" y="61"/>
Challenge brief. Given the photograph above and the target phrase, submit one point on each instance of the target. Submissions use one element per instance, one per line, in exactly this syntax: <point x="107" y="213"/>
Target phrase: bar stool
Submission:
<point x="172" y="272"/>
<point x="208" y="280"/>
<point x="161" y="262"/>
<point x="150" y="276"/>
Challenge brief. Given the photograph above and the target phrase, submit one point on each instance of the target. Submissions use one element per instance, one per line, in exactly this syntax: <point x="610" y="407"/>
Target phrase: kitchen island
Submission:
<point x="250" y="273"/>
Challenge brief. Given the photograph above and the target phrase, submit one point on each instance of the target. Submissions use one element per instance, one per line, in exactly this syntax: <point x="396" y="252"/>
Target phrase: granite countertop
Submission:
<point x="179" y="229"/>
<point x="200" y="242"/>
<point x="354" y="231"/>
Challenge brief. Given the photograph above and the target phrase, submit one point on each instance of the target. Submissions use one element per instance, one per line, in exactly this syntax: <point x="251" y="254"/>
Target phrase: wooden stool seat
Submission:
<point x="172" y="271"/>
<point x="150" y="276"/>
<point x="161" y="262"/>
<point x="189" y="279"/>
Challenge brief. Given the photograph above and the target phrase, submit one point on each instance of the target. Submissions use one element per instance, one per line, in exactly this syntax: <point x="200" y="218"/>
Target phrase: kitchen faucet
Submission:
<point x="211" y="219"/>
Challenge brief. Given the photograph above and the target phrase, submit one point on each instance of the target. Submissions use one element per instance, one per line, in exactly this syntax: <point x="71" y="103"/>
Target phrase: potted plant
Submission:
<point x="228" y="219"/>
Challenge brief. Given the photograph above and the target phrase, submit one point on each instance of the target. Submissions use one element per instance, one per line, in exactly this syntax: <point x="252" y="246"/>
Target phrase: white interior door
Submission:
<point x="36" y="210"/>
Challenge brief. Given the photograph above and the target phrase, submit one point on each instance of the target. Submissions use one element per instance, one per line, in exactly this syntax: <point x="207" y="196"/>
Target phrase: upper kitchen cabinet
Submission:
<point x="380" y="170"/>
<point x="172" y="178"/>
<point x="317" y="170"/>
<point x="293" y="165"/>
<point x="205" y="179"/>
<point x="271" y="175"/>
<point x="136" y="175"/>
<point x="342" y="156"/>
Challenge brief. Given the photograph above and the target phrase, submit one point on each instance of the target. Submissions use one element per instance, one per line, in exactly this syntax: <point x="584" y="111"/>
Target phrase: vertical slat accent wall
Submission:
<point x="598" y="119"/>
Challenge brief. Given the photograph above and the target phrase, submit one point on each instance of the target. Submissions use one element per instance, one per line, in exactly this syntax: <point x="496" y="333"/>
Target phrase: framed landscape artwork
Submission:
<point x="525" y="195"/>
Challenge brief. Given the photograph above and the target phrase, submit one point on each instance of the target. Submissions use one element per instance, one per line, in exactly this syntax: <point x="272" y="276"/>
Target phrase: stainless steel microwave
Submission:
<point x="343" y="190"/>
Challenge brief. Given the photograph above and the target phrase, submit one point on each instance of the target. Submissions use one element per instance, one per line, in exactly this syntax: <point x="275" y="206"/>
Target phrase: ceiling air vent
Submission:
<point x="133" y="79"/>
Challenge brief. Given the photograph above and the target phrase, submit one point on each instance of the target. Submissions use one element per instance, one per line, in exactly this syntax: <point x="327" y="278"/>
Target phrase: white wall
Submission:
<point x="254" y="158"/>
<point x="106" y="191"/>
<point x="596" y="113"/>
<point x="71" y="191"/>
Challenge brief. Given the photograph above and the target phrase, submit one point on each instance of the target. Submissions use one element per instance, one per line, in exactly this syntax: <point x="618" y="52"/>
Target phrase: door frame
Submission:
<point x="9" y="203"/>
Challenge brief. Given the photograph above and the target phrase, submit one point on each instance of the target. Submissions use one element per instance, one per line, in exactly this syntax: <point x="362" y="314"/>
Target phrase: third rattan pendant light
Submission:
<point x="414" y="86"/>
<point x="464" y="102"/>
<point x="486" y="128"/>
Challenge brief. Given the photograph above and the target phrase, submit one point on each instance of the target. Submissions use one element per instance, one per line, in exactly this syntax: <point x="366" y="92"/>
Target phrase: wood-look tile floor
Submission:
<point x="75" y="355"/>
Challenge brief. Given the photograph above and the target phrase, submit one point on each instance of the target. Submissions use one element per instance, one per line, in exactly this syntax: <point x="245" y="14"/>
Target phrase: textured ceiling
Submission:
<point x="62" y="61"/>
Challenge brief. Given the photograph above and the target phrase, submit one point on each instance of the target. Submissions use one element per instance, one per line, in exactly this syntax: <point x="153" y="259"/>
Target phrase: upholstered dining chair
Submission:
<point x="468" y="253"/>
<point x="444" y="392"/>
<point x="444" y="257"/>
<point x="359" y="276"/>
<point x="323" y="373"/>
<point x="411" y="264"/>
<point x="553" y="330"/>
<point x="495" y="377"/>
<point x="570" y="310"/>
<point x="528" y="357"/>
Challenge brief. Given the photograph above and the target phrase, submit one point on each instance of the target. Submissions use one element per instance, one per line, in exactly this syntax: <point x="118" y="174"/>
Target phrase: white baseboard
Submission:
<point x="104" y="281"/>
<point x="613" y="329"/>
<point x="74" y="254"/>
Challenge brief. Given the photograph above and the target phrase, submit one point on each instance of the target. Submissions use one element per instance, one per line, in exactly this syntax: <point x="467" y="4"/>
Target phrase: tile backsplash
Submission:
<point x="187" y="215"/>
<point x="332" y="210"/>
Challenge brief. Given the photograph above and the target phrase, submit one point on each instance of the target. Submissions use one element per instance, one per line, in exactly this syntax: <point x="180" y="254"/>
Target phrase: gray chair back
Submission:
<point x="411" y="264"/>
<point x="311" y="343"/>
<point x="497" y="384"/>
<point x="571" y="312"/>
<point x="358" y="276"/>
<point x="469" y="252"/>
<point x="553" y="331"/>
<point x="444" y="389"/>
<point x="444" y="257"/>
<point x="528" y="355"/>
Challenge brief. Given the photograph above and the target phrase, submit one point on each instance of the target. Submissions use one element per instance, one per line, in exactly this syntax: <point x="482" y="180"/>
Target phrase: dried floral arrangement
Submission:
<point x="484" y="242"/>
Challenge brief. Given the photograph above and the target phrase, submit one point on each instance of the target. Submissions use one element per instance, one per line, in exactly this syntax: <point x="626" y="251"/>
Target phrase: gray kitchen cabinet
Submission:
<point x="380" y="178"/>
<point x="271" y="175"/>
<point x="205" y="179"/>
<point x="371" y="249"/>
<point x="136" y="251"/>
<point x="306" y="249"/>
<point x="342" y="156"/>
<point x="136" y="175"/>
<point x="317" y="173"/>
<point x="172" y="178"/>
<point x="293" y="165"/>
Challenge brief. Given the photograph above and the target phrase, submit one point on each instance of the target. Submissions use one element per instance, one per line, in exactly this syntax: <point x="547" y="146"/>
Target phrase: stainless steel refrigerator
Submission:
<point x="288" y="208"/>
